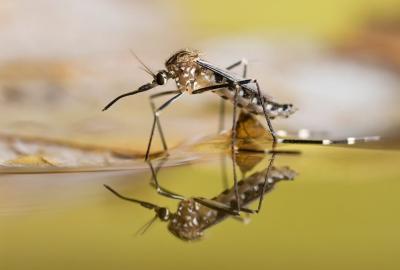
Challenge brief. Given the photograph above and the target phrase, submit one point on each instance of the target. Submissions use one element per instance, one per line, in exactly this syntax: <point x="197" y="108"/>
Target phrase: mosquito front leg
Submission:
<point x="160" y="131"/>
<point x="156" y="115"/>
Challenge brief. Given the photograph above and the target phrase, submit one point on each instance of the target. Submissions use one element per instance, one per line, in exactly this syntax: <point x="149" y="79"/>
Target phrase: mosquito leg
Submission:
<point x="238" y="63"/>
<point x="271" y="161"/>
<point x="246" y="219"/>
<point x="222" y="101"/>
<point x="142" y="203"/>
<point x="233" y="143"/>
<point x="218" y="206"/>
<point x="152" y="97"/>
<point x="222" y="207"/>
<point x="220" y="86"/>
<point x="271" y="129"/>
<point x="161" y="190"/>
<point x="211" y="88"/>
<point x="349" y="140"/>
<point x="156" y="170"/>
<point x="156" y="115"/>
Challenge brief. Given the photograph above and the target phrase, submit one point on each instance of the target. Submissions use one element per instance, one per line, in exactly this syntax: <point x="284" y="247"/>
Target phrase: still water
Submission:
<point x="341" y="211"/>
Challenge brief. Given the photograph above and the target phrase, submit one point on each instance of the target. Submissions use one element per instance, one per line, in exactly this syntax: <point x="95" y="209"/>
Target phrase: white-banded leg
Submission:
<point x="221" y="125"/>
<point x="153" y="108"/>
<point x="156" y="115"/>
<point x="266" y="182"/>
<point x="271" y="129"/>
<point x="233" y="143"/>
<point x="160" y="190"/>
<point x="346" y="141"/>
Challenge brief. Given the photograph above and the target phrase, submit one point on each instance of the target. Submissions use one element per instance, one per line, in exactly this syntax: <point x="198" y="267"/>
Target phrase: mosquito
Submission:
<point x="196" y="214"/>
<point x="194" y="75"/>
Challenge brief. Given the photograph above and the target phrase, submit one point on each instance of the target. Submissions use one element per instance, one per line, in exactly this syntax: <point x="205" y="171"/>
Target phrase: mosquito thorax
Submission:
<point x="187" y="222"/>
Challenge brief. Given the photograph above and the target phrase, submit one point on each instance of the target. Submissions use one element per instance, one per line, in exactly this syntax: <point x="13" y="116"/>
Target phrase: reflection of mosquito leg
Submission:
<point x="142" y="203"/>
<point x="267" y="176"/>
<point x="156" y="115"/>
<point x="160" y="190"/>
<point x="246" y="219"/>
<point x="222" y="101"/>
<point x="218" y="206"/>
<point x="271" y="129"/>
<point x="152" y="97"/>
<point x="161" y="164"/>
<point x="233" y="143"/>
<point x="158" y="167"/>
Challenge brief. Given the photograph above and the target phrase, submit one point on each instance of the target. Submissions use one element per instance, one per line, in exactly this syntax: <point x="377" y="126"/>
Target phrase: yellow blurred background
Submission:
<point x="331" y="20"/>
<point x="62" y="61"/>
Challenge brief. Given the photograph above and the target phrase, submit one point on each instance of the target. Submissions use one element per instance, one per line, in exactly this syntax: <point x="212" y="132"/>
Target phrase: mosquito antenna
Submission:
<point x="145" y="68"/>
<point x="142" y="203"/>
<point x="146" y="226"/>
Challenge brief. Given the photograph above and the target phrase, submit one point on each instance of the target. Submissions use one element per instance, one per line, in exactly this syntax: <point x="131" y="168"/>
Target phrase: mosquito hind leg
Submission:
<point x="222" y="106"/>
<point x="156" y="116"/>
<point x="271" y="129"/>
<point x="233" y="143"/>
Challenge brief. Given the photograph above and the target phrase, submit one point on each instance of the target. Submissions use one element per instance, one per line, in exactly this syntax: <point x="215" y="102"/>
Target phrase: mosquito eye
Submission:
<point x="163" y="213"/>
<point x="160" y="78"/>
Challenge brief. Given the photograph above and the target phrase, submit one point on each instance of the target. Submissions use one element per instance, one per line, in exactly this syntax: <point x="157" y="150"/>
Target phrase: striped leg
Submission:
<point x="156" y="115"/>
<point x="233" y="143"/>
<point x="152" y="97"/>
<point x="271" y="129"/>
<point x="222" y="101"/>
<point x="271" y="161"/>
<point x="349" y="140"/>
<point x="160" y="190"/>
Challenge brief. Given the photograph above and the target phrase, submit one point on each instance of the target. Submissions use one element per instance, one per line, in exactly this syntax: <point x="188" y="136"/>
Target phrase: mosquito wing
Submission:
<point x="229" y="76"/>
<point x="220" y="71"/>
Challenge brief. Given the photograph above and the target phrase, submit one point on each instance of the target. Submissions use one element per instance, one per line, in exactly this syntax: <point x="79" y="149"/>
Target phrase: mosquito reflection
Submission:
<point x="194" y="215"/>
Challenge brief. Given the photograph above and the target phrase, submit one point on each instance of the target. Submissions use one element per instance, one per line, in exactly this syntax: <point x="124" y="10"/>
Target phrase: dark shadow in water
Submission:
<point x="194" y="215"/>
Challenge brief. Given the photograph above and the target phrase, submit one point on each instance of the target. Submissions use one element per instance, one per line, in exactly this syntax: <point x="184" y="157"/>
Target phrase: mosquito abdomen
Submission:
<point x="248" y="101"/>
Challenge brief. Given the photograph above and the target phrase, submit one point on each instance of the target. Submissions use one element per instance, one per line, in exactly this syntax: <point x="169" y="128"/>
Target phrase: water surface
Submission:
<point x="340" y="212"/>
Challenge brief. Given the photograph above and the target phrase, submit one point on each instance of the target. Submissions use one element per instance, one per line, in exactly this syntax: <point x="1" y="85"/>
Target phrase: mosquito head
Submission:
<point x="163" y="213"/>
<point x="161" y="77"/>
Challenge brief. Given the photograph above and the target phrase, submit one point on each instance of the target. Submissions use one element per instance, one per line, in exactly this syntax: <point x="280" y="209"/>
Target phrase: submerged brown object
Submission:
<point x="251" y="135"/>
